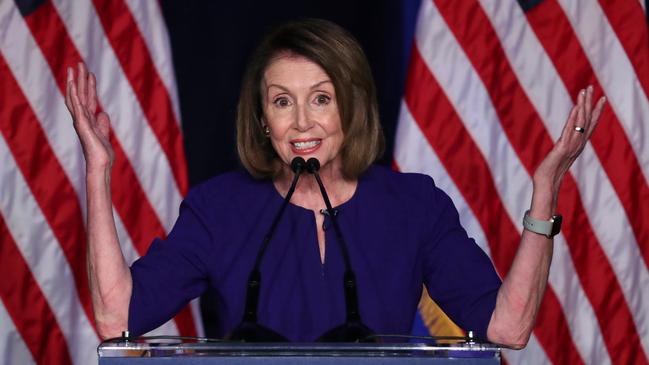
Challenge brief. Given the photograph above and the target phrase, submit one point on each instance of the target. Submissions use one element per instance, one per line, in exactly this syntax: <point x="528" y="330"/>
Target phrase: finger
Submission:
<point x="581" y="110"/>
<point x="589" y="104"/>
<point x="569" y="127"/>
<point x="82" y="84"/>
<point x="597" y="113"/>
<point x="80" y="120"/>
<point x="92" y="93"/>
<point x="68" y="90"/>
<point x="581" y="114"/>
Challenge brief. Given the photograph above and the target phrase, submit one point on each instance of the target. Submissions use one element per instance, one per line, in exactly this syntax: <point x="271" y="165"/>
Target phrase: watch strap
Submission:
<point x="547" y="228"/>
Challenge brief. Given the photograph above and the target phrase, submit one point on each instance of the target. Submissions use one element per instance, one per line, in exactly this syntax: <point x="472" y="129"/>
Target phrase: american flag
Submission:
<point x="490" y="85"/>
<point x="45" y="308"/>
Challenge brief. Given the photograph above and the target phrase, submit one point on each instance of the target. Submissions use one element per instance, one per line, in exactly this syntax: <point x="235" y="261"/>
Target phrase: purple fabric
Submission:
<point x="402" y="231"/>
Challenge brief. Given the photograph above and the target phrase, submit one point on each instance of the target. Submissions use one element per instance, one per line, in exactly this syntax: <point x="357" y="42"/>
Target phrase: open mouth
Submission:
<point x="305" y="146"/>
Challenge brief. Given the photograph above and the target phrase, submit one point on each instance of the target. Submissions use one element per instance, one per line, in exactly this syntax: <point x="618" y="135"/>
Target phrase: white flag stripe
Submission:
<point x="47" y="262"/>
<point x="150" y="22"/>
<point x="37" y="83"/>
<point x="125" y="241"/>
<point x="12" y="346"/>
<point x="141" y="146"/>
<point x="169" y="328"/>
<point x="413" y="153"/>
<point x="532" y="354"/>
<point x="603" y="206"/>
<point x="195" y="306"/>
<point x="473" y="105"/>
<point x="532" y="66"/>
<point x="563" y="277"/>
<point x="35" y="79"/>
<point x="35" y="239"/>
<point x="614" y="72"/>
<point x="582" y="321"/>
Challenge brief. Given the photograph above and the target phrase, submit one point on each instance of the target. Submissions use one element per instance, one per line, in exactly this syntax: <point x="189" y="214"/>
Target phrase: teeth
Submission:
<point x="305" y="145"/>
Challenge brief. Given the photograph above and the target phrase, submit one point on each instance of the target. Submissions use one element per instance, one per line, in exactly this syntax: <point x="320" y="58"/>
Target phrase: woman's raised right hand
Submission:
<point x="92" y="128"/>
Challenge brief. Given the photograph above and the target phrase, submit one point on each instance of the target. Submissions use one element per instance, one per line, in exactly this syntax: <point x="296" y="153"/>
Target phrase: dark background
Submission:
<point x="211" y="42"/>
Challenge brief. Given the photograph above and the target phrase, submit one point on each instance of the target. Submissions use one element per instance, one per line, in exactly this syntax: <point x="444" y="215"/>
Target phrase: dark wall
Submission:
<point x="211" y="43"/>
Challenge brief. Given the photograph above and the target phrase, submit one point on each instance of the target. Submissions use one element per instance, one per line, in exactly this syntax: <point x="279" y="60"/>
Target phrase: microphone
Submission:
<point x="249" y="330"/>
<point x="353" y="330"/>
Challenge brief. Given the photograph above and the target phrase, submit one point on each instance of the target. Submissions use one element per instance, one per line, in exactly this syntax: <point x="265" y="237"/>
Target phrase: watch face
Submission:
<point x="556" y="225"/>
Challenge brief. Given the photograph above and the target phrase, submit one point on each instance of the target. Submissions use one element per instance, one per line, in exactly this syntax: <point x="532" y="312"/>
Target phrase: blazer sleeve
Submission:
<point x="173" y="271"/>
<point x="459" y="276"/>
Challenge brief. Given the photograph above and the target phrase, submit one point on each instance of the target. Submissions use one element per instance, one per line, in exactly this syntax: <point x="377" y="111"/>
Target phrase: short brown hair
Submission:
<point x="342" y="58"/>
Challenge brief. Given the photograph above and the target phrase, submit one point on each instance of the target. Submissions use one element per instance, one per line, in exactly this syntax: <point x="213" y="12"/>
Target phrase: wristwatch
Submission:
<point x="547" y="228"/>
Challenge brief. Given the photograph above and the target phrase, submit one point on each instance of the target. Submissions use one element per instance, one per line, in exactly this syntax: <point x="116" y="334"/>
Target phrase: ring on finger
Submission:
<point x="579" y="129"/>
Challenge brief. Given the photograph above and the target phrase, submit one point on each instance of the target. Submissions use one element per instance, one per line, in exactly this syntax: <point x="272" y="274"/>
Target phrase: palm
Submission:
<point x="580" y="125"/>
<point x="92" y="128"/>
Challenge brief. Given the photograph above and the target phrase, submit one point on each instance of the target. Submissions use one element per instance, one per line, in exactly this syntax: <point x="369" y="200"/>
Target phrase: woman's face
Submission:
<point x="301" y="111"/>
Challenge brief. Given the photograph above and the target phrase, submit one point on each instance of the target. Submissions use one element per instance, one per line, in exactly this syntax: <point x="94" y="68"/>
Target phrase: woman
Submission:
<point x="308" y="92"/>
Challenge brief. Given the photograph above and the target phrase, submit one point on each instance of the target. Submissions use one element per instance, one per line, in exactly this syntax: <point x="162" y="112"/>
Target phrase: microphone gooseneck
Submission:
<point x="248" y="330"/>
<point x="353" y="330"/>
<point x="312" y="167"/>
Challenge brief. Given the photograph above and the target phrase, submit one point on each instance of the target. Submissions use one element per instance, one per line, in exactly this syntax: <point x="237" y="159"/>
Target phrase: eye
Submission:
<point x="282" y="102"/>
<point x="322" y="99"/>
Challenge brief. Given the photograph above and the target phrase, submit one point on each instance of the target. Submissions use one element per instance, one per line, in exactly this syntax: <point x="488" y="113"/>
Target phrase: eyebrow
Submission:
<point x="314" y="86"/>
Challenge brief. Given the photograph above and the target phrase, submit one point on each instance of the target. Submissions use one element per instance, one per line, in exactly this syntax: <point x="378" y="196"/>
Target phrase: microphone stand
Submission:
<point x="249" y="330"/>
<point x="353" y="330"/>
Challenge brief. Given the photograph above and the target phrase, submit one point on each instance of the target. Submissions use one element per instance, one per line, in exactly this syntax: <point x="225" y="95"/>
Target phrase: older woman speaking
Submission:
<point x="308" y="92"/>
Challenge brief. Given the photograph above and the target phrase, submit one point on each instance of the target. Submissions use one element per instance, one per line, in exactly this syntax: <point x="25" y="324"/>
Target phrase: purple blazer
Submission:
<point x="401" y="229"/>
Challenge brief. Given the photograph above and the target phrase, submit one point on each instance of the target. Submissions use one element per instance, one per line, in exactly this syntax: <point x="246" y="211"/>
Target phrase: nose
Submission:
<point x="303" y="119"/>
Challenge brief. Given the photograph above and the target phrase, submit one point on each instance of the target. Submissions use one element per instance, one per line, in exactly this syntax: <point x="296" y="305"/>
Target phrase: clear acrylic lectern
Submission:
<point x="202" y="353"/>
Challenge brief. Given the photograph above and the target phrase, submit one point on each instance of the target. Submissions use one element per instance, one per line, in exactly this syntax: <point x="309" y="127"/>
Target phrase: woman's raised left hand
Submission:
<point x="581" y="123"/>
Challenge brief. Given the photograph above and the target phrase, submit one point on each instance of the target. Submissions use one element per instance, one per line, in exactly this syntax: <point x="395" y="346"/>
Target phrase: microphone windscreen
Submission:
<point x="297" y="165"/>
<point x="312" y="165"/>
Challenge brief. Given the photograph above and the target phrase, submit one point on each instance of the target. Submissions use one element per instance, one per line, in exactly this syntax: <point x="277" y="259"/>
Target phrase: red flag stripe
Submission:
<point x="47" y="262"/>
<point x="604" y="208"/>
<point x="36" y="80"/>
<point x="415" y="154"/>
<point x="614" y="73"/>
<point x="132" y="53"/>
<point x="627" y="19"/>
<point x="185" y="322"/>
<point x="52" y="38"/>
<point x="139" y="218"/>
<point x="151" y="23"/>
<point x="46" y="178"/>
<point x="12" y="347"/>
<point x="152" y="168"/>
<point x="454" y="150"/>
<point x="64" y="142"/>
<point x="612" y="148"/>
<point x="28" y="307"/>
<point x="137" y="215"/>
<point x="483" y="49"/>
